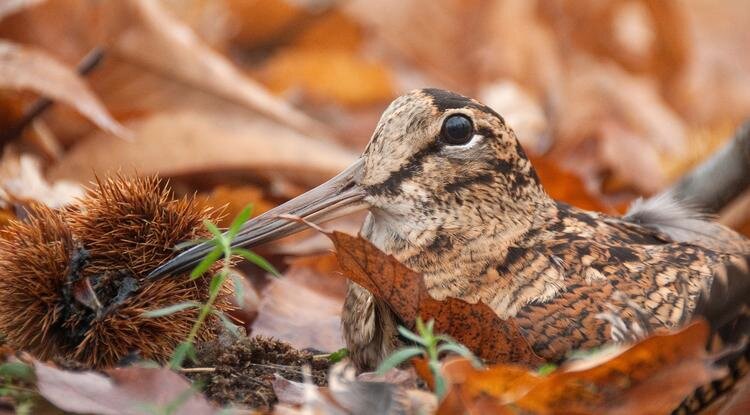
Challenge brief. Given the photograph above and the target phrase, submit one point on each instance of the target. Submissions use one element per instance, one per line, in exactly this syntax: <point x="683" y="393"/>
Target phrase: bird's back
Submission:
<point x="622" y="277"/>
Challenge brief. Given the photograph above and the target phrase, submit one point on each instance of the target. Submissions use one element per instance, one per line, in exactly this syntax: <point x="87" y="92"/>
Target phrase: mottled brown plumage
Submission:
<point x="479" y="226"/>
<point x="473" y="218"/>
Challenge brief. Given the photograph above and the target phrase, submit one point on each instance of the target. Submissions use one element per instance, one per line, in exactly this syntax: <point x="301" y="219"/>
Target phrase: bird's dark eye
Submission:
<point x="457" y="129"/>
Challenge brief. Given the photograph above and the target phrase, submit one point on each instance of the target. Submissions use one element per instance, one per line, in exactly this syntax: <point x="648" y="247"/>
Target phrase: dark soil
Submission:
<point x="244" y="367"/>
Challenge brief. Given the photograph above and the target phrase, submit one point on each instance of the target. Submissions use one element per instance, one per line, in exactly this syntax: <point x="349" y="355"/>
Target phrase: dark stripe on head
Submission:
<point x="464" y="182"/>
<point x="411" y="168"/>
<point x="445" y="100"/>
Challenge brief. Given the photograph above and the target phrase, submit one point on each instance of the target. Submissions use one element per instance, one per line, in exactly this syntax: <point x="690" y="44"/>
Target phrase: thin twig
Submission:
<point x="40" y="106"/>
<point x="197" y="369"/>
<point x="294" y="369"/>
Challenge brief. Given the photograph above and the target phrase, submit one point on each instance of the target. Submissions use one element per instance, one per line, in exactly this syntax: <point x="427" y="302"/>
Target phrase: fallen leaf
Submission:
<point x="21" y="182"/>
<point x="431" y="34"/>
<point x="328" y="75"/>
<point x="164" y="43"/>
<point x="200" y="141"/>
<point x="304" y="307"/>
<point x="610" y="120"/>
<point x="651" y="377"/>
<point x="235" y="198"/>
<point x="8" y="7"/>
<point x="23" y="67"/>
<point x="272" y="20"/>
<point x="349" y="394"/>
<point x="332" y="29"/>
<point x="566" y="186"/>
<point x="474" y="325"/>
<point x="521" y="112"/>
<point x="643" y="36"/>
<point x="133" y="390"/>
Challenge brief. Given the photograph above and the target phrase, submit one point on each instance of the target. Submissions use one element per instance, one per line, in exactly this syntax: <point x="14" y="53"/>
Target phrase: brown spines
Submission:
<point x="34" y="258"/>
<point x="72" y="283"/>
<point x="135" y="223"/>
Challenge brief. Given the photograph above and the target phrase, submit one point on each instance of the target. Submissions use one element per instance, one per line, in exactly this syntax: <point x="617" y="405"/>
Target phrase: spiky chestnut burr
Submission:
<point x="73" y="283"/>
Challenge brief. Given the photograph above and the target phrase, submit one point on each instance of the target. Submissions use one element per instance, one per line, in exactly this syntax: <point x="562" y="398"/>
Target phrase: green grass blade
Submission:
<point x="546" y="369"/>
<point x="256" y="259"/>
<point x="216" y="282"/>
<point x="460" y="350"/>
<point x="182" y="352"/>
<point x="399" y="357"/>
<point x="411" y="335"/>
<point x="174" y="308"/>
<point x="238" y="221"/>
<point x="338" y="355"/>
<point x="439" y="380"/>
<point x="213" y="229"/>
<point x="239" y="289"/>
<point x="206" y="263"/>
<point x="16" y="370"/>
<point x="227" y="323"/>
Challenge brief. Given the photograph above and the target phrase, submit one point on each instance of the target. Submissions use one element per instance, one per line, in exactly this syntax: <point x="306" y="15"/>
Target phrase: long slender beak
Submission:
<point x="335" y="198"/>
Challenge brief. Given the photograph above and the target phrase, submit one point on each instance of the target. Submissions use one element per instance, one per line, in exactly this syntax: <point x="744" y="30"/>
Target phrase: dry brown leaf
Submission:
<point x="529" y="57"/>
<point x="439" y="37"/>
<point x="565" y="186"/>
<point x="133" y="390"/>
<point x="328" y="75"/>
<point x="22" y="67"/>
<point x="610" y="120"/>
<point x="200" y="141"/>
<point x="304" y="307"/>
<point x="332" y="30"/>
<point x="650" y="377"/>
<point x="159" y="41"/>
<point x="271" y="20"/>
<point x="521" y="111"/>
<point x="716" y="87"/>
<point x="21" y="182"/>
<point x="235" y="198"/>
<point x="394" y="393"/>
<point x="155" y="57"/>
<point x="474" y="325"/>
<point x="8" y="7"/>
<point x="642" y="36"/>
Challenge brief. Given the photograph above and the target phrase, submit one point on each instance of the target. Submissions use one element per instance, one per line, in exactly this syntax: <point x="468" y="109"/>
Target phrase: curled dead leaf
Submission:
<point x="8" y="7"/>
<point x="164" y="43"/>
<point x="23" y="67"/>
<point x="474" y="325"/>
<point x="132" y="390"/>
<point x="21" y="182"/>
<point x="190" y="141"/>
<point x="304" y="307"/>
<point x="326" y="75"/>
<point x="651" y="377"/>
<point x="349" y="394"/>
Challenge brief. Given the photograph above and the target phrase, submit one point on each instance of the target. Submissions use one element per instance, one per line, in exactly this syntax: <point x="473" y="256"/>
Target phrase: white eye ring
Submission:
<point x="476" y="138"/>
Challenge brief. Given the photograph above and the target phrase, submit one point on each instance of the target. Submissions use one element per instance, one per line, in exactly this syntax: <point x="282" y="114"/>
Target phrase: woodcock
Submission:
<point x="452" y="195"/>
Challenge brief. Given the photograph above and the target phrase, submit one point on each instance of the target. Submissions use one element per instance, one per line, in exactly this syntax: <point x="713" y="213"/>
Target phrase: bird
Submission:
<point x="452" y="195"/>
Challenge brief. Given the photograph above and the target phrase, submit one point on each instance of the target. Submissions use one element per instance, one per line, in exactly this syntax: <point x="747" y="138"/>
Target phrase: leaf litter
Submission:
<point x="247" y="91"/>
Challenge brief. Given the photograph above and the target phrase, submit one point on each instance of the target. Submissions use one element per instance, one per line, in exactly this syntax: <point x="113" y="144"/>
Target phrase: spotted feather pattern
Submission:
<point x="478" y="225"/>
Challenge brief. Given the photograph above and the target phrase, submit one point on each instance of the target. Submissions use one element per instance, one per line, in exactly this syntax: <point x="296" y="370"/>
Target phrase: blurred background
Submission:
<point x="258" y="100"/>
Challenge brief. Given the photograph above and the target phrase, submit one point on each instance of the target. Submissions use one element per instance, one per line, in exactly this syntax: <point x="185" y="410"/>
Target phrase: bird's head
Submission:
<point x="436" y="161"/>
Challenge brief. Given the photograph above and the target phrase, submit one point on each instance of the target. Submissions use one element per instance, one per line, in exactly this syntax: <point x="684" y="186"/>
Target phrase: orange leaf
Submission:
<point x="423" y="371"/>
<point x="474" y="325"/>
<point x="651" y="377"/>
